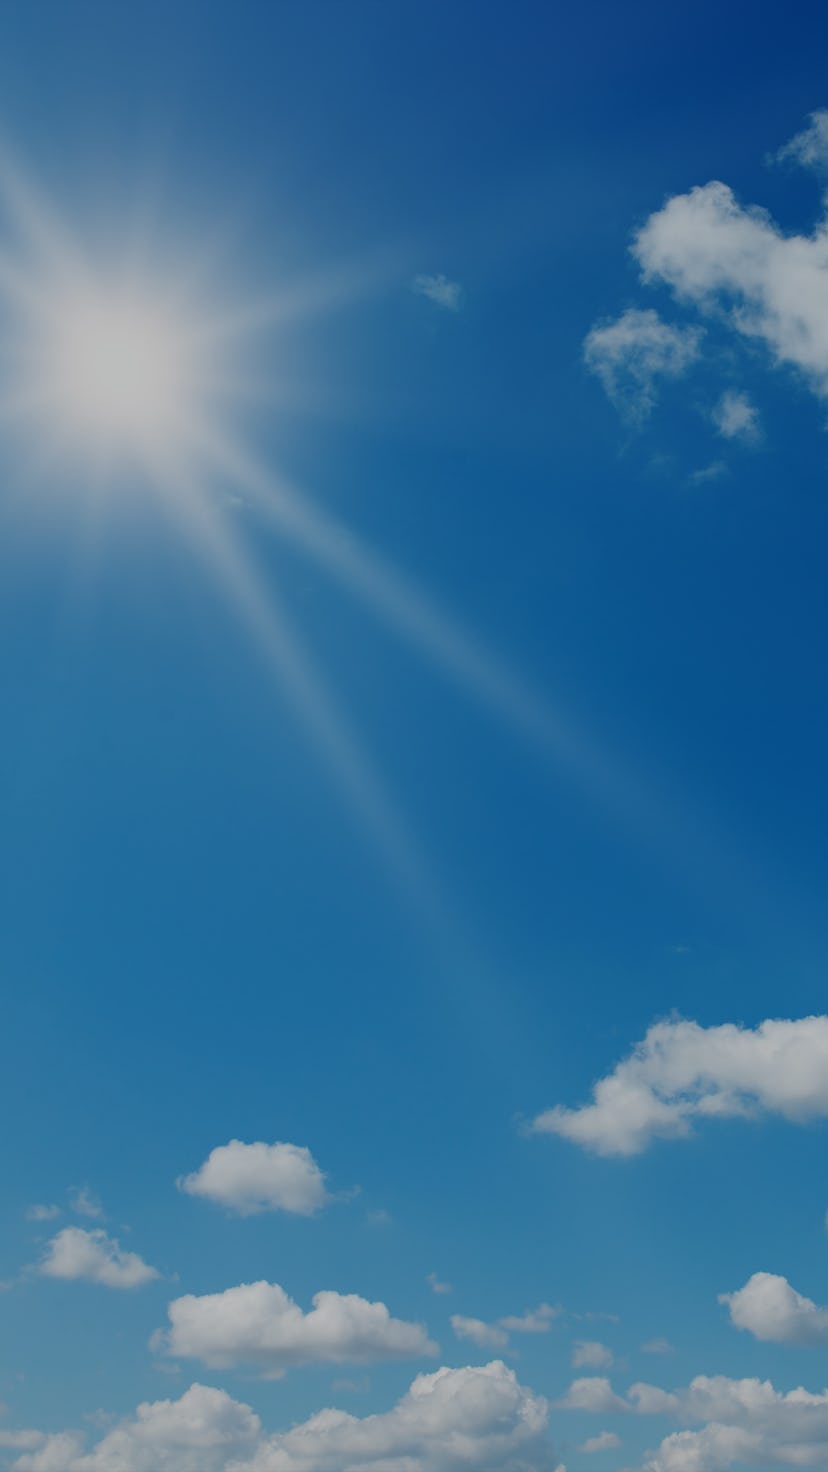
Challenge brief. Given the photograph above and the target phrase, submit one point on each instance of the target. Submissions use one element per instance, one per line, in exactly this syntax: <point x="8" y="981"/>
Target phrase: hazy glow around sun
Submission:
<point x="113" y="368"/>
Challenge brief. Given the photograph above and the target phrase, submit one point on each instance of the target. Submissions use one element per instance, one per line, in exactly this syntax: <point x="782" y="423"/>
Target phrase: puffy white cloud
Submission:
<point x="260" y="1177"/>
<point x="593" y="1393"/>
<point x="726" y="258"/>
<point x="591" y="1354"/>
<point x="478" y="1419"/>
<point x="769" y="1308"/>
<point x="682" y="1071"/>
<point x="605" y="1441"/>
<point x="487" y="1336"/>
<point x="743" y="1421"/>
<point x="630" y="353"/>
<point x="204" y="1431"/>
<point x="810" y="147"/>
<point x="258" y="1324"/>
<point x="533" y="1321"/>
<point x="735" y="417"/>
<point x="94" y="1257"/>
<point x="439" y="290"/>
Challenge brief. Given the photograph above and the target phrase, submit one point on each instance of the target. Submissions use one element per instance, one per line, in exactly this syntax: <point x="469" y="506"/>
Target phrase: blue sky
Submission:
<point x="412" y="595"/>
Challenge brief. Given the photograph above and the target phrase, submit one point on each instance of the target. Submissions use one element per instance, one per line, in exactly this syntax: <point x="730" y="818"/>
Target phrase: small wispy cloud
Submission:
<point x="439" y="290"/>
<point x="657" y="1346"/>
<point x="40" y="1213"/>
<point x="632" y="352"/>
<point x="592" y="1354"/>
<point x="736" y="417"/>
<point x="435" y="1284"/>
<point x="810" y="147"/>
<point x="714" y="471"/>
<point x="82" y="1201"/>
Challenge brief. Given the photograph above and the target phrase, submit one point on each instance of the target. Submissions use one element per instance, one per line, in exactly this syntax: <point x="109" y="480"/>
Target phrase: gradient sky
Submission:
<point x="535" y="336"/>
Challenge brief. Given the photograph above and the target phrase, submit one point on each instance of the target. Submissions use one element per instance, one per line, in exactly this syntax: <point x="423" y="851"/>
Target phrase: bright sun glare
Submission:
<point x="105" y="366"/>
<point x="115" y="369"/>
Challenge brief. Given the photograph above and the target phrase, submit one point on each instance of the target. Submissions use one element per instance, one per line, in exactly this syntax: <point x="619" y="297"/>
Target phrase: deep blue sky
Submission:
<point x="200" y="941"/>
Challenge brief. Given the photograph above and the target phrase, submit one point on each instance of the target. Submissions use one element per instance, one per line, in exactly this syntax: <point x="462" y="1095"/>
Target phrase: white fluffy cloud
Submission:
<point x="591" y="1354"/>
<point x="258" y="1324"/>
<point x="630" y="354"/>
<point x="95" y="1257"/>
<point x="769" y="1308"/>
<point x="681" y="1072"/>
<point x="735" y="417"/>
<point x="478" y="1419"/>
<point x="260" y="1177"/>
<point x="734" y="260"/>
<point x="593" y="1393"/>
<point x="439" y="290"/>
<point x="486" y="1336"/>
<point x="741" y="1422"/>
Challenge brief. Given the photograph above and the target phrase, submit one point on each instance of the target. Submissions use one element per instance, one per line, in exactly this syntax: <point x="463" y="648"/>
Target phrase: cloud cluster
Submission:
<point x="259" y="1177"/>
<point x="741" y="1422"/>
<point x="259" y="1324"/>
<point x="632" y="352"/>
<point x="723" y="257"/>
<point x="94" y="1257"/>
<point x="478" y="1419"/>
<point x="681" y="1072"/>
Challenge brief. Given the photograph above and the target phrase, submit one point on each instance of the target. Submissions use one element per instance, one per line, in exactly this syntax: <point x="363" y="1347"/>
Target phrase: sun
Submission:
<point x="113" y="368"/>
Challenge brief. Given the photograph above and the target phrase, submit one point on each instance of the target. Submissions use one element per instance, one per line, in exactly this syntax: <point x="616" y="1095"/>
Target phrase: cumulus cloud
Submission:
<point x="96" y="1258"/>
<point x="810" y="147"/>
<point x="736" y="261"/>
<point x="591" y="1354"/>
<point x="40" y="1213"/>
<point x="593" y="1393"/>
<point x="605" y="1441"/>
<point x="769" y="1308"/>
<point x="259" y="1324"/>
<point x="743" y="1422"/>
<point x="477" y="1419"/>
<point x="487" y="1336"/>
<point x="439" y="290"/>
<point x="735" y="417"/>
<point x="259" y="1177"/>
<point x="681" y="1072"/>
<point x="630" y="354"/>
